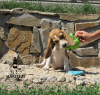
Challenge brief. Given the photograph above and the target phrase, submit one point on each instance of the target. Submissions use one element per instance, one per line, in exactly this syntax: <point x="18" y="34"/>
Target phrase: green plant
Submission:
<point x="86" y="8"/>
<point x="56" y="90"/>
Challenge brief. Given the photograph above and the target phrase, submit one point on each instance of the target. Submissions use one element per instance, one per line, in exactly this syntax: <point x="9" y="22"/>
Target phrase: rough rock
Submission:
<point x="3" y="19"/>
<point x="89" y="51"/>
<point x="25" y="20"/>
<point x="3" y="33"/>
<point x="79" y="26"/>
<point x="19" y="39"/>
<point x="55" y="24"/>
<point x="13" y="11"/>
<point x="3" y="48"/>
<point x="5" y="11"/>
<point x="75" y="17"/>
<point x="68" y="27"/>
<point x="42" y="13"/>
<point x="86" y="62"/>
<point x="93" y="43"/>
<point x="19" y="10"/>
<point x="44" y="32"/>
<point x="99" y="48"/>
<point x="8" y="57"/>
<point x="35" y="44"/>
<point x="46" y="26"/>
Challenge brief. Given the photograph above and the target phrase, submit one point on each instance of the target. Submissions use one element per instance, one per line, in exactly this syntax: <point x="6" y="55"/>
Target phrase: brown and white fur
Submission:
<point x="56" y="54"/>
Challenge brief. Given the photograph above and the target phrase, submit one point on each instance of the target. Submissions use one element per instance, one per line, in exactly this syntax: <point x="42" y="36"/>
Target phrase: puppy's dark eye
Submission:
<point x="56" y="41"/>
<point x="61" y="37"/>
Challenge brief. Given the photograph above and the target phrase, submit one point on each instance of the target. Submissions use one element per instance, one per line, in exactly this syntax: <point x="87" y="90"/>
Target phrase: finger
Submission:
<point x="80" y="35"/>
<point x="78" y="32"/>
<point x="82" y="40"/>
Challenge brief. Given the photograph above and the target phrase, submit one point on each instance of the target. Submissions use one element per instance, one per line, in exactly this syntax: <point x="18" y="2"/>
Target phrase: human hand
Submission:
<point x="83" y="36"/>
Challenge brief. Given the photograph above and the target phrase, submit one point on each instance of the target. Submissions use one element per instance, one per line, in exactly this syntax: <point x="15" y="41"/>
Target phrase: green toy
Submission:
<point x="77" y="42"/>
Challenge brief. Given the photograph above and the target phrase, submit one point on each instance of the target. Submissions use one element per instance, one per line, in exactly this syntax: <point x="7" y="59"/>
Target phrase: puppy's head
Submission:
<point x="60" y="38"/>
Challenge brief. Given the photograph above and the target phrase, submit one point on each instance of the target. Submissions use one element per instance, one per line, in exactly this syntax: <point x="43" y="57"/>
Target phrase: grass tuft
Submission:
<point x="56" y="90"/>
<point x="86" y="8"/>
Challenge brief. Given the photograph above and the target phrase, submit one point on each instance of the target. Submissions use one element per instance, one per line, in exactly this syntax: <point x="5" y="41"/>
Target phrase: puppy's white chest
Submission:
<point x="58" y="58"/>
<point x="58" y="55"/>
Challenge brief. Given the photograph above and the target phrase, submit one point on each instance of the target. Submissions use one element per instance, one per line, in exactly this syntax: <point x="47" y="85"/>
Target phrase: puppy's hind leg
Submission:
<point x="42" y="64"/>
<point x="47" y="65"/>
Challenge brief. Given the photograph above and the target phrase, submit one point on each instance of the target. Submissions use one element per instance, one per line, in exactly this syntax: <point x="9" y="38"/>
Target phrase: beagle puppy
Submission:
<point x="56" y="55"/>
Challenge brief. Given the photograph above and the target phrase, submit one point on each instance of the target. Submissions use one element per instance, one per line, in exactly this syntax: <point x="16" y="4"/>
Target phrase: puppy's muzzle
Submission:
<point x="64" y="45"/>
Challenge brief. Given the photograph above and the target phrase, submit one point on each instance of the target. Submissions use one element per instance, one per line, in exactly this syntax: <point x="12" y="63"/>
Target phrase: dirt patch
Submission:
<point x="38" y="77"/>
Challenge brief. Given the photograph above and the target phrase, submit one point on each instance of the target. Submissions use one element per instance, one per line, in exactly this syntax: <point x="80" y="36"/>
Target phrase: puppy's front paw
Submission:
<point x="45" y="68"/>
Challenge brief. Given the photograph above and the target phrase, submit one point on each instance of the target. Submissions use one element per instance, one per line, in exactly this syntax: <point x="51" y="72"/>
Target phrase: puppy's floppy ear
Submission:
<point x="68" y="39"/>
<point x="49" y="48"/>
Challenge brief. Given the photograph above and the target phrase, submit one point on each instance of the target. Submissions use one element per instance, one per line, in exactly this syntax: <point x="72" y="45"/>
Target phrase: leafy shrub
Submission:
<point x="86" y="8"/>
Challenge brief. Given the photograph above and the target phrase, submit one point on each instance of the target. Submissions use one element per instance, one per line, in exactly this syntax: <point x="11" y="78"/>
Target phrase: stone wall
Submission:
<point x="24" y="33"/>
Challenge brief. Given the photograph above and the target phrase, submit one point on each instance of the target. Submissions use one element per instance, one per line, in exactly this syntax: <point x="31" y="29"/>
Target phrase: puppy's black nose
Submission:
<point x="64" y="45"/>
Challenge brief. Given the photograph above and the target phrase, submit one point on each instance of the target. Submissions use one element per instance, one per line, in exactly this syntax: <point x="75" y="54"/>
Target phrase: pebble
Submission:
<point x="37" y="81"/>
<point x="24" y="74"/>
<point x="30" y="77"/>
<point x="73" y="82"/>
<point x="3" y="80"/>
<point x="37" y="77"/>
<point x="30" y="86"/>
<point x="79" y="82"/>
<point x="43" y="77"/>
<point x="70" y="75"/>
<point x="61" y="79"/>
<point x="3" y="76"/>
<point x="69" y="79"/>
<point x="93" y="81"/>
<point x="51" y="79"/>
<point x="86" y="82"/>
<point x="25" y="79"/>
<point x="81" y="78"/>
